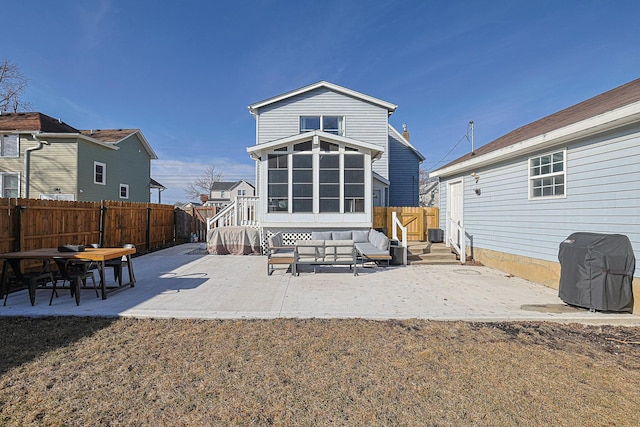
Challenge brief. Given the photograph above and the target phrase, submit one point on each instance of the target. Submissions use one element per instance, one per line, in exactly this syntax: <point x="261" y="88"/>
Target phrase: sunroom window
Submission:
<point x="302" y="182"/>
<point x="329" y="183"/>
<point x="278" y="187"/>
<point x="321" y="177"/>
<point x="329" y="124"/>
<point x="547" y="175"/>
<point x="354" y="183"/>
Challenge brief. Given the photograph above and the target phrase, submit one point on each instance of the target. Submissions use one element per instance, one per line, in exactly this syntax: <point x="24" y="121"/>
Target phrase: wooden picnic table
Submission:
<point x="98" y="255"/>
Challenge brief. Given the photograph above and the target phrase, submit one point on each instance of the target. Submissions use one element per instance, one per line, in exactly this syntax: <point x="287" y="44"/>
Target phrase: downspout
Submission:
<point x="27" y="158"/>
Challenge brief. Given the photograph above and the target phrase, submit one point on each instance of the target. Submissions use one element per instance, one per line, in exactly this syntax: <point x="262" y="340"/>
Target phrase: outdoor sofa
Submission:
<point x="329" y="248"/>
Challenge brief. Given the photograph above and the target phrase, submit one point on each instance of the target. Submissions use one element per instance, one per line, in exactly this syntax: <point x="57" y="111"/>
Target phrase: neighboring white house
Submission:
<point x="325" y="155"/>
<point x="224" y="192"/>
<point x="518" y="197"/>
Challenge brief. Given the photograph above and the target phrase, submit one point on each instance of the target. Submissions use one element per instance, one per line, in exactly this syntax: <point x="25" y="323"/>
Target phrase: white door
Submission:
<point x="454" y="209"/>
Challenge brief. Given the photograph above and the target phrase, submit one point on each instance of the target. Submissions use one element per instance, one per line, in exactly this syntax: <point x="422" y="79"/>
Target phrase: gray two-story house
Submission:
<point x="326" y="155"/>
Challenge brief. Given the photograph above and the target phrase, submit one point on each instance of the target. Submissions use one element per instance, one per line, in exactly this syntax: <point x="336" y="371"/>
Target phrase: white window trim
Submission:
<point x="322" y="116"/>
<point x="126" y="186"/>
<point x="2" y="175"/>
<point x="104" y="173"/>
<point x="549" y="175"/>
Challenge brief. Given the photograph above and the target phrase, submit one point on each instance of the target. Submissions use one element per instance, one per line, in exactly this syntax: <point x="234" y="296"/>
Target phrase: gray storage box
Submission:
<point x="435" y="235"/>
<point x="596" y="271"/>
<point x="396" y="251"/>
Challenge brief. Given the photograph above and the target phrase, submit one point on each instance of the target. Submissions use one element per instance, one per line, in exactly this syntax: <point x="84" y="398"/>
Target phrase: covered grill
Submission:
<point x="597" y="271"/>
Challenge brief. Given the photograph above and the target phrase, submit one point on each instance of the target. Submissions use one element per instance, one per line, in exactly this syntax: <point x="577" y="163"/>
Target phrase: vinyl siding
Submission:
<point x="129" y="165"/>
<point x="603" y="196"/>
<point x="363" y="121"/>
<point x="54" y="167"/>
<point x="404" y="175"/>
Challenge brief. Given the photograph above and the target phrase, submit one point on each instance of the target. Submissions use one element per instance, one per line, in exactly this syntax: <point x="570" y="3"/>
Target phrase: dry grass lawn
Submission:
<point x="142" y="372"/>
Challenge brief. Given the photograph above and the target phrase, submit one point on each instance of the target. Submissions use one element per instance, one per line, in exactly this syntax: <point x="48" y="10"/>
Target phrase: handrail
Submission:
<point x="242" y="211"/>
<point x="456" y="237"/>
<point x="395" y="224"/>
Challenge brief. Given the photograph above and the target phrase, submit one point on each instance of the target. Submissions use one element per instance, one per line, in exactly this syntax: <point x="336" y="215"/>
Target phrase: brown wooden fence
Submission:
<point x="31" y="224"/>
<point x="418" y="220"/>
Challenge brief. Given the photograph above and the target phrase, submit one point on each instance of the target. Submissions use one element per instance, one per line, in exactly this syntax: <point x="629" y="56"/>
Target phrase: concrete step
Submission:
<point x="433" y="262"/>
<point x="430" y="253"/>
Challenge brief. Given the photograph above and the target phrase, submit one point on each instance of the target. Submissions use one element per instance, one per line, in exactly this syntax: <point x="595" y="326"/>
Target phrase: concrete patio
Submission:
<point x="181" y="282"/>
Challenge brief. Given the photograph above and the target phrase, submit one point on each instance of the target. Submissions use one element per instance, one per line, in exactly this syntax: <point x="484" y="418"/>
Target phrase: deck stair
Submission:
<point x="430" y="254"/>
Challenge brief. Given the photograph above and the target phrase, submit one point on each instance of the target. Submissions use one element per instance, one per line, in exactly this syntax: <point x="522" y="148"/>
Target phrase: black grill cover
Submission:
<point x="596" y="271"/>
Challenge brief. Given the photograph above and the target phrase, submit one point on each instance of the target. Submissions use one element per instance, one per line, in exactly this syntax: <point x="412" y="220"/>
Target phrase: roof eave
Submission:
<point x="145" y="143"/>
<point x="609" y="120"/>
<point x="254" y="150"/>
<point x="406" y="143"/>
<point x="75" y="135"/>
<point x="253" y="108"/>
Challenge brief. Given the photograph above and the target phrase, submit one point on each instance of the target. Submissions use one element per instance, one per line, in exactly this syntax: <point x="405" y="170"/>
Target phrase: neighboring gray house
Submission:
<point x="224" y="192"/>
<point x="518" y="197"/>
<point x="42" y="157"/>
<point x="325" y="155"/>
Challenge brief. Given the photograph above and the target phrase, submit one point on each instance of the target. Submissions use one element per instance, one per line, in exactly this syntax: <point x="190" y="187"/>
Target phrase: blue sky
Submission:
<point x="185" y="72"/>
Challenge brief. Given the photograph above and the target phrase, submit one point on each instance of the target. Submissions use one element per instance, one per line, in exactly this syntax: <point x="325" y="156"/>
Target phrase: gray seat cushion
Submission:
<point x="368" y="249"/>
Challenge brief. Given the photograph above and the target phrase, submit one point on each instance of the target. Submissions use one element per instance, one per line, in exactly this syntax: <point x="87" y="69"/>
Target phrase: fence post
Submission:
<point x="103" y="222"/>
<point x="175" y="224"/>
<point x="19" y="235"/>
<point x="148" y="228"/>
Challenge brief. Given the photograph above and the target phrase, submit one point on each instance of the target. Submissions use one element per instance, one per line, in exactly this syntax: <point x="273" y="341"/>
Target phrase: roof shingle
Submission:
<point x="33" y="121"/>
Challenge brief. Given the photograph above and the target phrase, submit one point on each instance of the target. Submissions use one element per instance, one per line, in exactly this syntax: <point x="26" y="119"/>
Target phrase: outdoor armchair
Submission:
<point x="30" y="279"/>
<point x="278" y="253"/>
<point x="73" y="271"/>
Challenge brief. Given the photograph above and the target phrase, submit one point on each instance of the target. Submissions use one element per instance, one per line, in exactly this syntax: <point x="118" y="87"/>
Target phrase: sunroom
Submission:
<point x="315" y="180"/>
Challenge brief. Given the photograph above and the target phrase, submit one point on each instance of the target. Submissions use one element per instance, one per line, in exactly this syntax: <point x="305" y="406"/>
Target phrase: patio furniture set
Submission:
<point x="72" y="266"/>
<point x="329" y="248"/>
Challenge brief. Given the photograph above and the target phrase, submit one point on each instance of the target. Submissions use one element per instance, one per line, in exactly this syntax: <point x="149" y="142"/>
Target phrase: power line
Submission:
<point x="450" y="151"/>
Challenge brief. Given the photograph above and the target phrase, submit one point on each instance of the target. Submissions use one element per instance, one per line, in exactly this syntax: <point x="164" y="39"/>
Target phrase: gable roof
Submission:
<point x="33" y="122"/>
<point x="223" y="185"/>
<point x="115" y="136"/>
<point x="256" y="151"/>
<point x="253" y="108"/>
<point x="228" y="185"/>
<point x="614" y="107"/>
